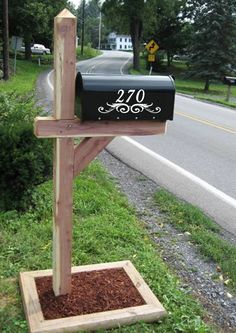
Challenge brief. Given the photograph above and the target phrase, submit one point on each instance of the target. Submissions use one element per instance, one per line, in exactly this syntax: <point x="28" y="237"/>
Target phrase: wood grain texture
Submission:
<point x="31" y="302"/>
<point x="64" y="65"/>
<point x="51" y="128"/>
<point x="63" y="207"/>
<point x="149" y="312"/>
<point x="64" y="96"/>
<point x="87" y="150"/>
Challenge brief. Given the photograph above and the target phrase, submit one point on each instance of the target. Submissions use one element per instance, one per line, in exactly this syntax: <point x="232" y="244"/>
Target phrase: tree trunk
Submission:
<point x="207" y="85"/>
<point x="5" y="41"/>
<point x="82" y="28"/>
<point x="27" y="39"/>
<point x="135" y="30"/>
<point x="168" y="58"/>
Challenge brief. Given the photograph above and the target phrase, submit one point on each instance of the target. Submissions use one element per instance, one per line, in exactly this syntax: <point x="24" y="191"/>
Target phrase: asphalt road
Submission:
<point x="111" y="62"/>
<point x="195" y="160"/>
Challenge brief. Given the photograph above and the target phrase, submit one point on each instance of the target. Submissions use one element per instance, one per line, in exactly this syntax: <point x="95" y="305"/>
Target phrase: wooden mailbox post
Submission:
<point x="69" y="161"/>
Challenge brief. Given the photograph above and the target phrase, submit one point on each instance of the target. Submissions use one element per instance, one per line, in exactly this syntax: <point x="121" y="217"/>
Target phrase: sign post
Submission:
<point x="16" y="43"/>
<point x="230" y="81"/>
<point x="152" y="47"/>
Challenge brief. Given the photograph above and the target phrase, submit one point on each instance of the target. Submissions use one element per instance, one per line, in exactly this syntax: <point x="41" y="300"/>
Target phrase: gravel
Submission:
<point x="198" y="275"/>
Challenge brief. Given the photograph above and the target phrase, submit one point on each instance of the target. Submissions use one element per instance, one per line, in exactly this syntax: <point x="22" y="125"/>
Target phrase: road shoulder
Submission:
<point x="196" y="274"/>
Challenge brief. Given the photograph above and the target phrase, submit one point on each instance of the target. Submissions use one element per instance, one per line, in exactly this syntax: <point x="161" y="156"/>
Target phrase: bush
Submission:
<point x="25" y="161"/>
<point x="89" y="52"/>
<point x="45" y="59"/>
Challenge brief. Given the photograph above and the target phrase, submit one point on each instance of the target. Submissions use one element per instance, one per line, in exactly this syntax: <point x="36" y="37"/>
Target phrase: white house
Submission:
<point x="119" y="42"/>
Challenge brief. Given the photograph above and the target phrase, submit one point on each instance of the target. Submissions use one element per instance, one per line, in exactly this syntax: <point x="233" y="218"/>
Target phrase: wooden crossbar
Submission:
<point x="51" y="128"/>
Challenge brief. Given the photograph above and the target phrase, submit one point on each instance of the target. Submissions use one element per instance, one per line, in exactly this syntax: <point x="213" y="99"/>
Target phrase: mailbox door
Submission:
<point x="125" y="98"/>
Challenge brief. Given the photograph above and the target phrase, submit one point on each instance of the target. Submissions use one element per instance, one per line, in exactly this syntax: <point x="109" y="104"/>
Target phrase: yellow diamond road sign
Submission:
<point x="152" y="46"/>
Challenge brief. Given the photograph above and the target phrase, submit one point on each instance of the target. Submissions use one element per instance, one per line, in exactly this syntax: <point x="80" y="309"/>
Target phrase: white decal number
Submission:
<point x="140" y="95"/>
<point x="121" y="93"/>
<point x="130" y="92"/>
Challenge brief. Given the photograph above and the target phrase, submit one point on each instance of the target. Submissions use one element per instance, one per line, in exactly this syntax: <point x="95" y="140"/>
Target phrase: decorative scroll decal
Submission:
<point x="125" y="108"/>
<point x="122" y="107"/>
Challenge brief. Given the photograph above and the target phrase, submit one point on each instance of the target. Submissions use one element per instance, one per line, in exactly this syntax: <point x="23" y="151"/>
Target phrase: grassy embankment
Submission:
<point x="88" y="52"/>
<point x="105" y="228"/>
<point x="23" y="81"/>
<point x="193" y="87"/>
<point x="203" y="232"/>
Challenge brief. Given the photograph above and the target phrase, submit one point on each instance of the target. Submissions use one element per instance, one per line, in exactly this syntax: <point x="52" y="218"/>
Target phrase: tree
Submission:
<point x="5" y="40"/>
<point x="127" y="14"/>
<point x="213" y="46"/>
<point x="31" y="19"/>
<point x="165" y="22"/>
<point x="91" y="20"/>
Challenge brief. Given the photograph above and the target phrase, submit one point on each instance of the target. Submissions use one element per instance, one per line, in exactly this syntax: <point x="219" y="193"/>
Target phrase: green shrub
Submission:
<point x="45" y="59"/>
<point x="25" y="161"/>
<point x="89" y="52"/>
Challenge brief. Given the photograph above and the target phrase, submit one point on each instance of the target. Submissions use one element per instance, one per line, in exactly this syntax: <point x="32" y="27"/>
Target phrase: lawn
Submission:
<point x="25" y="78"/>
<point x="105" y="229"/>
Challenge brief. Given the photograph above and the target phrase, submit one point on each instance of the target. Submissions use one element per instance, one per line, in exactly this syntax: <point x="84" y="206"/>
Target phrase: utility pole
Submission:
<point x="99" y="30"/>
<point x="5" y="41"/>
<point x="82" y="31"/>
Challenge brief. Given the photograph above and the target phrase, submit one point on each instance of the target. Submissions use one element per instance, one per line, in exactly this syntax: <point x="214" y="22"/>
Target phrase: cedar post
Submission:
<point x="64" y="96"/>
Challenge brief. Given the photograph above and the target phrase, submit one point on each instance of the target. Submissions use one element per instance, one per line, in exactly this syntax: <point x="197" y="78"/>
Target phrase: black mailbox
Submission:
<point x="124" y="97"/>
<point x="230" y="80"/>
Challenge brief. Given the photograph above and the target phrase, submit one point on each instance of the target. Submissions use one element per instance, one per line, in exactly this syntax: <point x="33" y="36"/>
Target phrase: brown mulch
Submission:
<point x="95" y="291"/>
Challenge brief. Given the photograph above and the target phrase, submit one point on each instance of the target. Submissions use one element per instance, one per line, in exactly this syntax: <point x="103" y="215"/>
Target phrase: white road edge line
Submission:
<point x="123" y="66"/>
<point x="90" y="69"/>
<point x="219" y="194"/>
<point x="48" y="79"/>
<point x="48" y="76"/>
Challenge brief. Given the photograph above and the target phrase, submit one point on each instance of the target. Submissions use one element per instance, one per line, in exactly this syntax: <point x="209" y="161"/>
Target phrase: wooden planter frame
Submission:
<point x="69" y="161"/>
<point x="149" y="312"/>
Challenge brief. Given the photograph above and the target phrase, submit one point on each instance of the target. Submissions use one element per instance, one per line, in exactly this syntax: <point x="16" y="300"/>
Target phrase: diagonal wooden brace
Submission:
<point x="87" y="150"/>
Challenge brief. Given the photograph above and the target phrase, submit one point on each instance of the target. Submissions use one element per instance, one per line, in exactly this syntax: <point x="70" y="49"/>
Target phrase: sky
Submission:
<point x="75" y="2"/>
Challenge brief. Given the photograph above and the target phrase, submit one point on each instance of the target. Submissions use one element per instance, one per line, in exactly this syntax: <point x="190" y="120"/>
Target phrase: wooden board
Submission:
<point x="62" y="217"/>
<point x="64" y="96"/>
<point x="64" y="65"/>
<point x="51" y="128"/>
<point x="151" y="311"/>
<point x="87" y="150"/>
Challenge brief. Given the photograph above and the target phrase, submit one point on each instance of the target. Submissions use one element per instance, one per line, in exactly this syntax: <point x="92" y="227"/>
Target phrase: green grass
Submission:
<point x="204" y="232"/>
<point x="105" y="229"/>
<point x="25" y="78"/>
<point x="88" y="53"/>
<point x="193" y="87"/>
<point x="142" y="70"/>
<point x="28" y="71"/>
